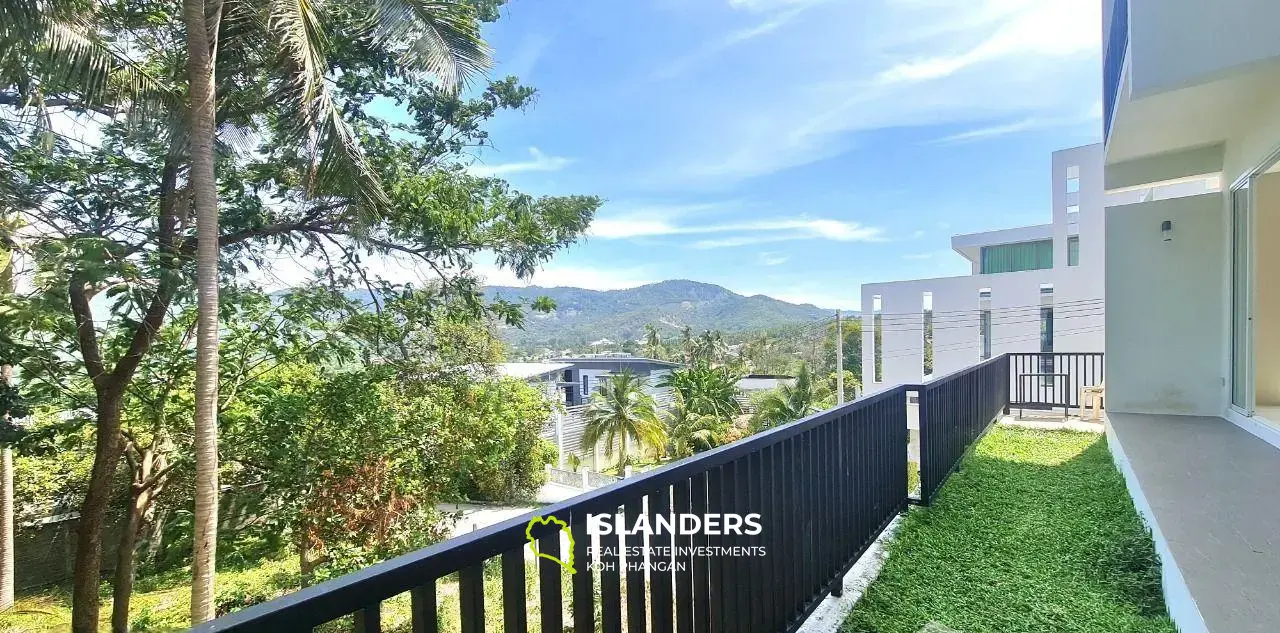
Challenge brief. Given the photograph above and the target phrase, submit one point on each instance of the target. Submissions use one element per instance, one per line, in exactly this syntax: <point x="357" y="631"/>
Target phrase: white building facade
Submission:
<point x="1032" y="289"/>
<point x="1191" y="94"/>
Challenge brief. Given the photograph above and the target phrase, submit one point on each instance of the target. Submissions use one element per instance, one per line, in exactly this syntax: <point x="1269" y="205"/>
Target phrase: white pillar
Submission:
<point x="586" y="483"/>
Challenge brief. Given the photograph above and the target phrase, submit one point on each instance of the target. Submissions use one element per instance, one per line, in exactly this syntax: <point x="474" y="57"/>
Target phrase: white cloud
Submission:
<point x="852" y="67"/>
<point x="538" y="162"/>
<point x="589" y="277"/>
<point x="773" y="259"/>
<point x="774" y="230"/>
<point x="713" y="47"/>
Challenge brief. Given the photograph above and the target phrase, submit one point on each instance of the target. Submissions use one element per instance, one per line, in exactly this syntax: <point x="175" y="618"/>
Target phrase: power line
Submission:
<point x="895" y="316"/>
<point x="903" y="353"/>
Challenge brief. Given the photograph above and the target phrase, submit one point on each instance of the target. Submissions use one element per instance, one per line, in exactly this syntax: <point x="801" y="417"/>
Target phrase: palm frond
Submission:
<point x="337" y="163"/>
<point x="440" y="37"/>
<point x="71" y="58"/>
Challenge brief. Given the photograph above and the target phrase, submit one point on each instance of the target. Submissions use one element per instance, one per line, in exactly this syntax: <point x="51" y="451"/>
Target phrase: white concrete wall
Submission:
<point x="1165" y="322"/>
<point x="1015" y="297"/>
<point x="1175" y="43"/>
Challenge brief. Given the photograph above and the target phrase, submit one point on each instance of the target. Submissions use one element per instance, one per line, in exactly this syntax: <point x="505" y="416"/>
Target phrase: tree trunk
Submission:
<point x="88" y="562"/>
<point x="6" y="528"/>
<point x="201" y="47"/>
<point x="144" y="491"/>
<point x="6" y="468"/>
<point x="122" y="586"/>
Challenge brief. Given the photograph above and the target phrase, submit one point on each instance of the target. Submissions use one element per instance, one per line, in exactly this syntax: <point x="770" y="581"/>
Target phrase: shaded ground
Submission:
<point x="1035" y="534"/>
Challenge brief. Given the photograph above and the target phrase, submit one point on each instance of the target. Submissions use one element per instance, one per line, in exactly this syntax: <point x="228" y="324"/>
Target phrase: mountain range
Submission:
<point x="582" y="316"/>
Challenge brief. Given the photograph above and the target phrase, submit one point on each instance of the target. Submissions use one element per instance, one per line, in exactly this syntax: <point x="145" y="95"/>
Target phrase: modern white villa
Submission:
<point x="1032" y="289"/>
<point x="1192" y="93"/>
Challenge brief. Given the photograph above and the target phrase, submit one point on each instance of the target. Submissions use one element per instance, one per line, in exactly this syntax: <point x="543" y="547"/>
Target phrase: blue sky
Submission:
<point x="795" y="148"/>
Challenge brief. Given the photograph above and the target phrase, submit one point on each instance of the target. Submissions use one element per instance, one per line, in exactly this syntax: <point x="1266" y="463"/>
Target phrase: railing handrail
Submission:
<point x="955" y="374"/>
<point x="398" y="575"/>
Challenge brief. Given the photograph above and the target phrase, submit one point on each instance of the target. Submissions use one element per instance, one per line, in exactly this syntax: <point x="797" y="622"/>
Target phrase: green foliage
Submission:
<point x="790" y="402"/>
<point x="621" y="412"/>
<point x="706" y="390"/>
<point x="582" y="315"/>
<point x="1070" y="552"/>
<point x="691" y="432"/>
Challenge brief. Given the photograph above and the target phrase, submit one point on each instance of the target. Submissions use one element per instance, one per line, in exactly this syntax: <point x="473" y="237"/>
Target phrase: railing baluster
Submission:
<point x="716" y="564"/>
<point x="471" y="598"/>
<point x="701" y="570"/>
<point x="368" y="619"/>
<point x="660" y="573"/>
<point x="684" y="565"/>
<point x="422" y="602"/>
<point x="549" y="590"/>
<point x="611" y="583"/>
<point x="583" y="577"/>
<point x="515" y="618"/>
<point x="636" y="612"/>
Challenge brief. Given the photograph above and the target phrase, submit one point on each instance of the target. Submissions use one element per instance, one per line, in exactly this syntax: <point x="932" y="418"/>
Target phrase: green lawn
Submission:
<point x="1035" y="534"/>
<point x="163" y="603"/>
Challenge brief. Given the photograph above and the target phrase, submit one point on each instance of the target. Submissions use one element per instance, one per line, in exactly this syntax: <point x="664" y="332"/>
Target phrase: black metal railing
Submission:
<point x="1049" y="381"/>
<point x="824" y="487"/>
<point x="1117" y="45"/>
<point x="955" y="411"/>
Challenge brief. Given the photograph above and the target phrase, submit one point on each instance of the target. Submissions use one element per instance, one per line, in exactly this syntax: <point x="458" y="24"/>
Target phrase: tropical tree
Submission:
<point x="653" y="343"/>
<point x="10" y="407"/>
<point x="707" y="390"/>
<point x="687" y="343"/>
<point x="442" y="39"/>
<point x="692" y="432"/>
<point x="790" y="402"/>
<point x="621" y="412"/>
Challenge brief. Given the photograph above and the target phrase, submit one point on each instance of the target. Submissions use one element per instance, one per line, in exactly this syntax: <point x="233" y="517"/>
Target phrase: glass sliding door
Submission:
<point x="1242" y="388"/>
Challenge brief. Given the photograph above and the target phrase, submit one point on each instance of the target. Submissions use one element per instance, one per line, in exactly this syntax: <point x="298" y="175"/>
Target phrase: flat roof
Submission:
<point x="614" y="359"/>
<point x="529" y="370"/>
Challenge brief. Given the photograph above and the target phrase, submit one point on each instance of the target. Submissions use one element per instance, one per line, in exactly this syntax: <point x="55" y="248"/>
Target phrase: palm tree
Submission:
<point x="790" y="402"/>
<point x="6" y="452"/>
<point x="622" y="411"/>
<point x="706" y="390"/>
<point x="201" y="115"/>
<point x="653" y="342"/>
<point x="440" y="38"/>
<point x="692" y="432"/>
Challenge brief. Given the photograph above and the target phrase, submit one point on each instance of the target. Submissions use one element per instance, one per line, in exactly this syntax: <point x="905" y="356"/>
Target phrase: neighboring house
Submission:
<point x="753" y="383"/>
<point x="1192" y="94"/>
<point x="583" y="377"/>
<point x="1031" y="289"/>
<point x="544" y="376"/>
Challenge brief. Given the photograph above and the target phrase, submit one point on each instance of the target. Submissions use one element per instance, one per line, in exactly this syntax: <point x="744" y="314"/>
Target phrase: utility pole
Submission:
<point x="839" y="361"/>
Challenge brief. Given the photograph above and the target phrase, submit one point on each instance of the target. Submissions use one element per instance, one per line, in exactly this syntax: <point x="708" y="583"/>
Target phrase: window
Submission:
<point x="1046" y="331"/>
<point x="928" y="333"/>
<point x="878" y="336"/>
<point x="984" y="322"/>
<point x="1073" y="179"/>
<point x="1011" y="258"/>
<point x="1073" y="250"/>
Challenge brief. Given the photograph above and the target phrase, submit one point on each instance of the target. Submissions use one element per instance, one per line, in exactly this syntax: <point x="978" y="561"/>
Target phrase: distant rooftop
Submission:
<point x="529" y="370"/>
<point x="612" y="356"/>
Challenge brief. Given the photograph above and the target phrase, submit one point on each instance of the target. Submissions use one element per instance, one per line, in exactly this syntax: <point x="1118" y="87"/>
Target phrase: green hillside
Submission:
<point x="583" y="315"/>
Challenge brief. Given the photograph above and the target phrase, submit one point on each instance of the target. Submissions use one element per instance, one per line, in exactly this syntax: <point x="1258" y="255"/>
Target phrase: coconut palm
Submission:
<point x="706" y="390"/>
<point x="621" y="412"/>
<point x="438" y="38"/>
<point x="692" y="432"/>
<point x="790" y="402"/>
<point x="653" y="342"/>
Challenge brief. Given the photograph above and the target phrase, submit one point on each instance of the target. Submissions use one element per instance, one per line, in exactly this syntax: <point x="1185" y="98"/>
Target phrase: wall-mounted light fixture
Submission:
<point x="1166" y="230"/>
